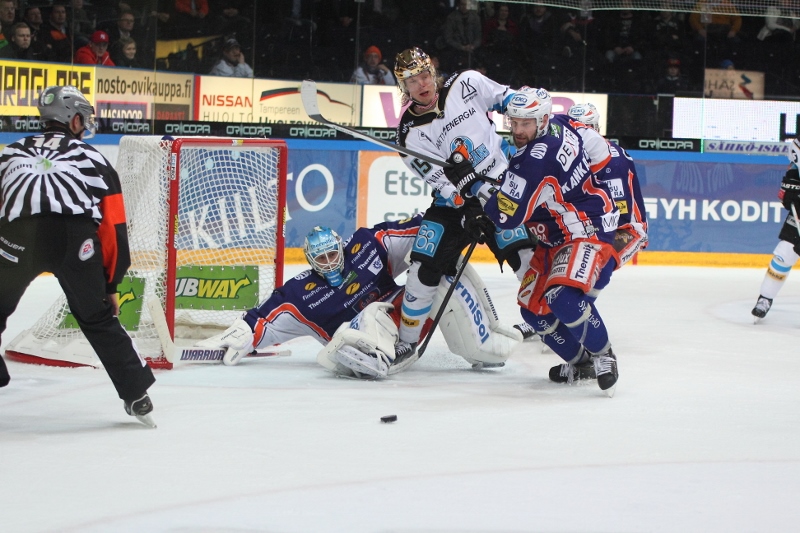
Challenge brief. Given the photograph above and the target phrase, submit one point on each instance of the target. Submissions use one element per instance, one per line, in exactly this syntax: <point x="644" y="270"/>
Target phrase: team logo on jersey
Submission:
<point x="310" y="285"/>
<point x="376" y="266"/>
<point x="356" y="248"/>
<point x="87" y="250"/>
<point x="506" y="205"/>
<point x="468" y="92"/>
<point x="622" y="205"/>
<point x="476" y="155"/>
<point x="352" y="289"/>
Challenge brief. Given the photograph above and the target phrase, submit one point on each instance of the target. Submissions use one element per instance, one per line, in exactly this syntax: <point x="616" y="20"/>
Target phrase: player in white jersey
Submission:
<point x="787" y="251"/>
<point x="446" y="115"/>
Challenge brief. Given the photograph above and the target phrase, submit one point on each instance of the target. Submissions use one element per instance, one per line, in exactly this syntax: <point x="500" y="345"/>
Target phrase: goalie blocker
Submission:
<point x="364" y="347"/>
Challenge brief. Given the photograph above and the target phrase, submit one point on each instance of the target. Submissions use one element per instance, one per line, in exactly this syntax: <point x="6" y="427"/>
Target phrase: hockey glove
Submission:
<point x="790" y="189"/>
<point x="462" y="174"/>
<point x="479" y="227"/>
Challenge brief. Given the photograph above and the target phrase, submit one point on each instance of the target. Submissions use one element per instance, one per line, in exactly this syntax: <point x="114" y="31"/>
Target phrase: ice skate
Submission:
<point x="4" y="377"/>
<point x="403" y="350"/>
<point x="605" y="367"/>
<point x="141" y="409"/>
<point x="526" y="330"/>
<point x="762" y="308"/>
<point x="569" y="373"/>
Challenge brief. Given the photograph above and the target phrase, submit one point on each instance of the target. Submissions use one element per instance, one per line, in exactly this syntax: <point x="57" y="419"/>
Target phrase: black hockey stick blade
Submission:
<point x="308" y="94"/>
<point x="446" y="298"/>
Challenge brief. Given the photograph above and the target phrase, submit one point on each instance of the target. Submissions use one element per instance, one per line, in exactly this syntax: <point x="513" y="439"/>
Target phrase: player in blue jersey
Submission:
<point x="549" y="187"/>
<point x="619" y="173"/>
<point x="349" y="302"/>
<point x="787" y="251"/>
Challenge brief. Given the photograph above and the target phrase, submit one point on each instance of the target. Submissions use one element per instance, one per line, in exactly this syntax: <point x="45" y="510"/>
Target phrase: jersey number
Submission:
<point x="423" y="167"/>
<point x="53" y="144"/>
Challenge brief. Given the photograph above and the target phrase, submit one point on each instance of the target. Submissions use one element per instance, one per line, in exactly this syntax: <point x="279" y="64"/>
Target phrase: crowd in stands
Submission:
<point x="562" y="49"/>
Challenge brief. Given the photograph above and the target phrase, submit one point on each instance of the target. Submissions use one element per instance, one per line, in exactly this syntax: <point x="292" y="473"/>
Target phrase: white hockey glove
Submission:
<point x="238" y="339"/>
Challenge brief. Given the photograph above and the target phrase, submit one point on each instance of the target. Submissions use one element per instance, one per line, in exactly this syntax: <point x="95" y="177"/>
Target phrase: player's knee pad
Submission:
<point x="470" y="325"/>
<point x="783" y="259"/>
<point x="365" y="344"/>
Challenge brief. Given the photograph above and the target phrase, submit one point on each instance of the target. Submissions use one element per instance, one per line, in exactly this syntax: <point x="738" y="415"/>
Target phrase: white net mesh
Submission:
<point x="789" y="8"/>
<point x="229" y="216"/>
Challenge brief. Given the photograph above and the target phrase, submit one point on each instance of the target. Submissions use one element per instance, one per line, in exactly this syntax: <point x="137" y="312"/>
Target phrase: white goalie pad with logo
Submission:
<point x="365" y="344"/>
<point x="470" y="324"/>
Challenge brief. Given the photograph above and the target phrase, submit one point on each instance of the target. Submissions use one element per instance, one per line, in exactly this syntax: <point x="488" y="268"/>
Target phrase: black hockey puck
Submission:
<point x="389" y="418"/>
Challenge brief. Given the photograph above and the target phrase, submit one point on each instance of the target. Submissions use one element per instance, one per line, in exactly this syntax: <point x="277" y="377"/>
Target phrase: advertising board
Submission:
<point x="21" y="83"/>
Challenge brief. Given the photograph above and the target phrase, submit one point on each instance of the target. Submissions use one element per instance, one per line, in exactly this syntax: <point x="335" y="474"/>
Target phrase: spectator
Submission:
<point x="623" y="37"/>
<point x="372" y="71"/>
<point x="669" y="34"/>
<point x="673" y="82"/>
<point x="55" y="35"/>
<point x="189" y="17"/>
<point x="724" y="21"/>
<point x="727" y="64"/>
<point x="19" y="46"/>
<point x="123" y="53"/>
<point x="8" y="16"/>
<point x="500" y="32"/>
<point x="578" y="30"/>
<point x="124" y="27"/>
<point x="462" y="34"/>
<point x="96" y="52"/>
<point x="232" y="63"/>
<point x="33" y="18"/>
<point x="538" y="30"/>
<point x="781" y="23"/>
<point x="231" y="17"/>
<point x="81" y="26"/>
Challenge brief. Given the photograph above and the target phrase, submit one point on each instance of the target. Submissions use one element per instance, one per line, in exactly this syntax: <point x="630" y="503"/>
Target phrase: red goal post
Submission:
<point x="206" y="222"/>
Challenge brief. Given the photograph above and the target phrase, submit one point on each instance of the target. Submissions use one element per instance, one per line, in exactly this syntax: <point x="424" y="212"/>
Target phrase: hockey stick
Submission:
<point x="162" y="329"/>
<point x="446" y="298"/>
<point x="308" y="94"/>
<point x="197" y="354"/>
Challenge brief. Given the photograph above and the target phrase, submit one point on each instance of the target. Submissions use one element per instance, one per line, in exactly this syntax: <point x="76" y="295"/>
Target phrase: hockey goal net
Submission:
<point x="206" y="228"/>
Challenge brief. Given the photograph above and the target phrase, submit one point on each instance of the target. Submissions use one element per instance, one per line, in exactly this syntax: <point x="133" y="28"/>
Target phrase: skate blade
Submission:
<point x="147" y="420"/>
<point x="610" y="391"/>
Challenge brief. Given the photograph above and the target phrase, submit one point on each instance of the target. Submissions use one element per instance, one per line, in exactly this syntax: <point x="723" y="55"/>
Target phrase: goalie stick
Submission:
<point x="308" y="94"/>
<point x="193" y="354"/>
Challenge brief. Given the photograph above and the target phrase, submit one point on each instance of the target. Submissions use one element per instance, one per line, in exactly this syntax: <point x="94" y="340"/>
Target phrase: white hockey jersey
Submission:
<point x="459" y="118"/>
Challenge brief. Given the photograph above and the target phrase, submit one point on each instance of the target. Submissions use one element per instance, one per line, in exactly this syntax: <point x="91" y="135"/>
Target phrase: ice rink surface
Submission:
<point x="703" y="433"/>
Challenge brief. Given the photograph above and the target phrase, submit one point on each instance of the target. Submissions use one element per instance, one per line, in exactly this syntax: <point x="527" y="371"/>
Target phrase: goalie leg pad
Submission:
<point x="470" y="325"/>
<point x="373" y="333"/>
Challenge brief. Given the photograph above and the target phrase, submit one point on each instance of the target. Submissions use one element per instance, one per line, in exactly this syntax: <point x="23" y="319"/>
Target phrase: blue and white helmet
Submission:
<point x="587" y="114"/>
<point x="325" y="253"/>
<point x="527" y="103"/>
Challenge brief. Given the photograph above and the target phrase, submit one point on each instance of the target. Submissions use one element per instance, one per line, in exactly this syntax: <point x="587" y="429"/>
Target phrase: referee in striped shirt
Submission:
<point x="62" y="212"/>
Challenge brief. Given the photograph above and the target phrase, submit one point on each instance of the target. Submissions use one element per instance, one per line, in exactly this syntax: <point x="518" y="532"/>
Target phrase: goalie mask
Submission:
<point x="587" y="114"/>
<point x="529" y="103"/>
<point x="410" y="63"/>
<point x="60" y="104"/>
<point x="325" y="253"/>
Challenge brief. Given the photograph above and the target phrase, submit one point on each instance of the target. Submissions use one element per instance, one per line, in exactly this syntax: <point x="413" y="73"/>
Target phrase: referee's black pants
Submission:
<point x="68" y="247"/>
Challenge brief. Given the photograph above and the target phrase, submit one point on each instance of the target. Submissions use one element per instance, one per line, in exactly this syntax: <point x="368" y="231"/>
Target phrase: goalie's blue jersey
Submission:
<point x="308" y="305"/>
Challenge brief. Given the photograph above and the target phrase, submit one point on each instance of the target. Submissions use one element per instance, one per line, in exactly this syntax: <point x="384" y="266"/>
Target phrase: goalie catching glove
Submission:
<point x="462" y="174"/>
